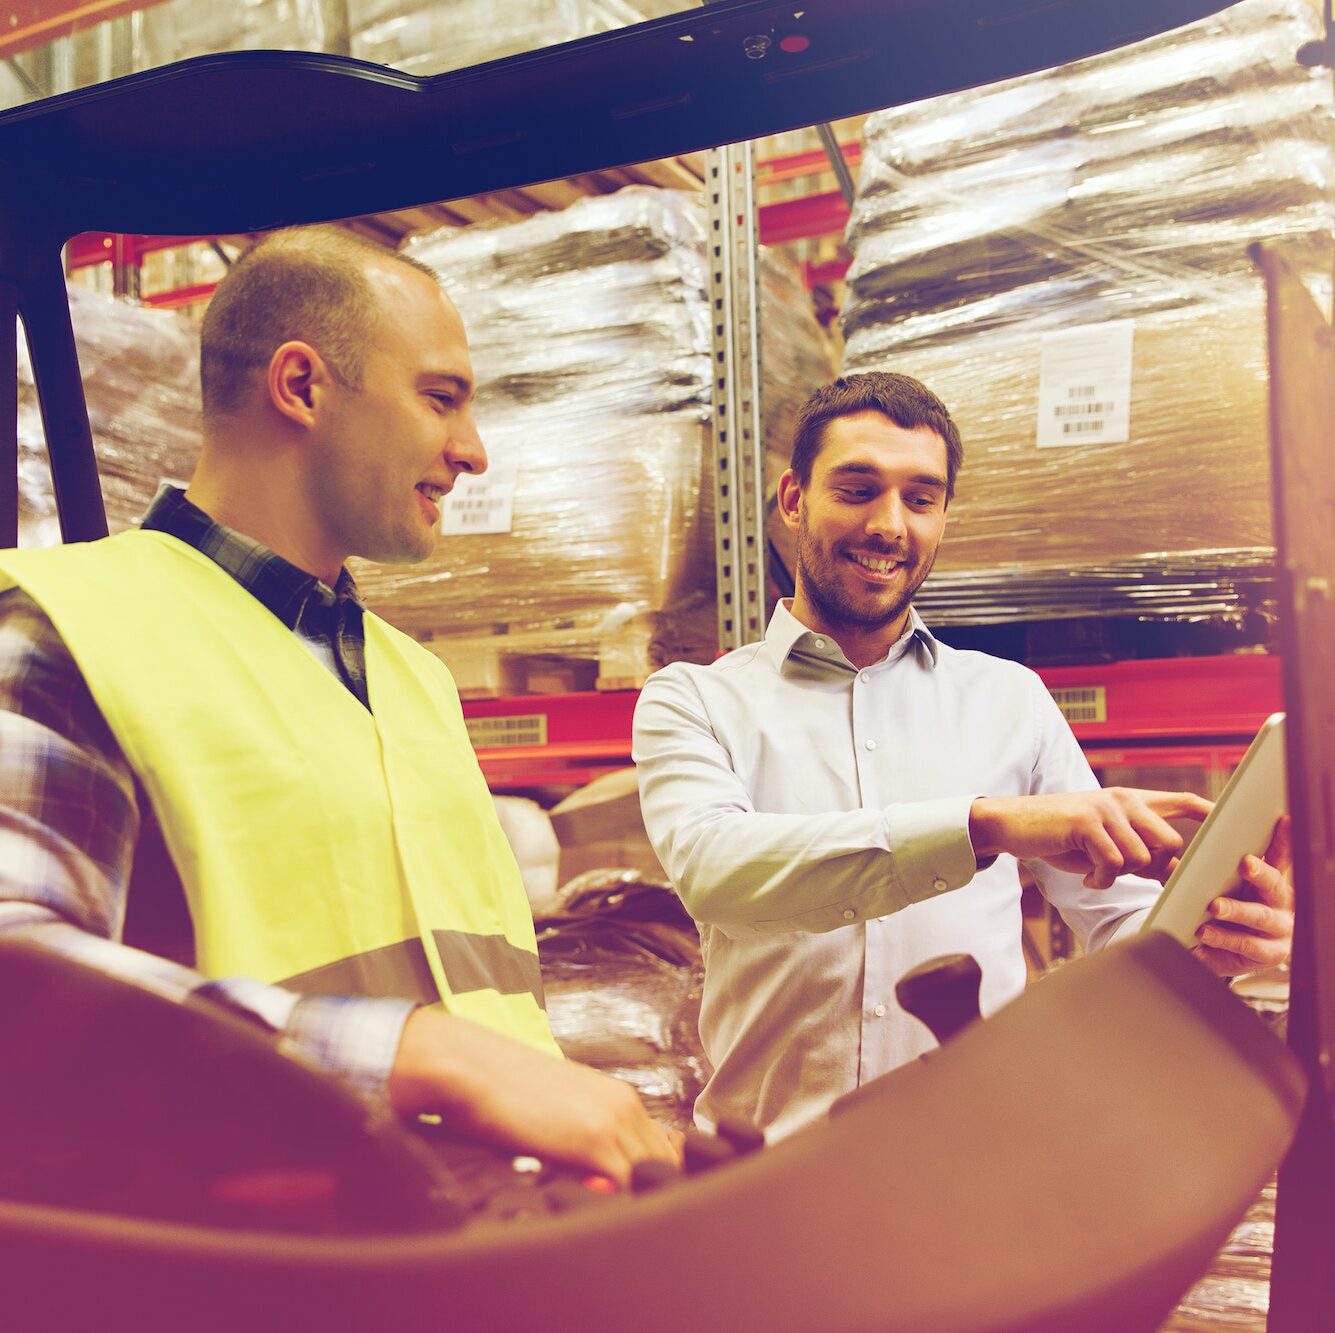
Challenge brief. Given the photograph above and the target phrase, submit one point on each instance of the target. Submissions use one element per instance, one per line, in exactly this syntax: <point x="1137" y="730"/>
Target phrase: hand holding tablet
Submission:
<point x="1237" y="914"/>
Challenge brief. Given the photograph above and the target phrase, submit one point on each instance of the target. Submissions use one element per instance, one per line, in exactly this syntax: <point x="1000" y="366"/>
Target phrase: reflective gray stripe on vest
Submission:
<point x="471" y="962"/>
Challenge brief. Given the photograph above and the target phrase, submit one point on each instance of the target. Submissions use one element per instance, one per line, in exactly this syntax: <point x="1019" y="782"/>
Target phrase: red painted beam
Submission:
<point x="808" y="215"/>
<point x="792" y="166"/>
<point x="25" y="24"/>
<point x="826" y="274"/>
<point x="1177" y="698"/>
<point x="180" y="296"/>
<point x="99" y="247"/>
<point x="1173" y="712"/>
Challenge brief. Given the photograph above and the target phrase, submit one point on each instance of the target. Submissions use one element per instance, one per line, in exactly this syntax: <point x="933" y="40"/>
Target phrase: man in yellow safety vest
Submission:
<point x="210" y="684"/>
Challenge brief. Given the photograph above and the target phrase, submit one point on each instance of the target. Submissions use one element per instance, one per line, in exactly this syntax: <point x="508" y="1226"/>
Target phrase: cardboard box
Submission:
<point x="600" y="827"/>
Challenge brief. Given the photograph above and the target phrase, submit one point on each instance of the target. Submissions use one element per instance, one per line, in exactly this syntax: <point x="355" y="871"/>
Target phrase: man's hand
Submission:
<point x="493" y="1088"/>
<point x="1097" y="834"/>
<point x="1251" y="926"/>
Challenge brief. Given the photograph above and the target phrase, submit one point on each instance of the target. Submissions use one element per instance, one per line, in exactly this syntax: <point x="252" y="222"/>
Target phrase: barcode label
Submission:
<point x="1088" y="704"/>
<point x="478" y="505"/>
<point x="1084" y="385"/>
<point x="489" y="733"/>
<point x="1083" y="409"/>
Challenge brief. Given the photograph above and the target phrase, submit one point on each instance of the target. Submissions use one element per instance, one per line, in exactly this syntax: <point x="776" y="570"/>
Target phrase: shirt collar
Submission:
<point x="278" y="584"/>
<point x="786" y="633"/>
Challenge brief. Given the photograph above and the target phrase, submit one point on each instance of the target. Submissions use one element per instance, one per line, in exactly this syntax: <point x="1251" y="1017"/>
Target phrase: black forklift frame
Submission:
<point x="250" y="141"/>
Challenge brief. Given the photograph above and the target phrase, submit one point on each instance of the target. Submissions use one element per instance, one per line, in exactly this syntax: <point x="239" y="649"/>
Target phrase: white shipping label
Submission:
<point x="1084" y="385"/>
<point x="480" y="505"/>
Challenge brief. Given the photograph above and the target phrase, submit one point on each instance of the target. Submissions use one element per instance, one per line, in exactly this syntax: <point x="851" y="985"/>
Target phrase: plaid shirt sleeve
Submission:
<point x="69" y="820"/>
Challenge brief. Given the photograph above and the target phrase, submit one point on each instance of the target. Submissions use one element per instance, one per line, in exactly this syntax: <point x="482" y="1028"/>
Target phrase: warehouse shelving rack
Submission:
<point x="211" y="147"/>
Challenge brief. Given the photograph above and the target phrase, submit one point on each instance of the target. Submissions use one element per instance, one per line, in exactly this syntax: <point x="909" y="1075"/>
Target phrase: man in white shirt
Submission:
<point x="849" y="797"/>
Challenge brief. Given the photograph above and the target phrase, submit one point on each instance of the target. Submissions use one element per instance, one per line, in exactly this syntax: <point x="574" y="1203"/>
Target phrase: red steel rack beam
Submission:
<point x="1177" y="698"/>
<point x="25" y="24"/>
<point x="99" y="247"/>
<point x="808" y="215"/>
<point x="793" y="166"/>
<point x="180" y="296"/>
<point x="1173" y="712"/>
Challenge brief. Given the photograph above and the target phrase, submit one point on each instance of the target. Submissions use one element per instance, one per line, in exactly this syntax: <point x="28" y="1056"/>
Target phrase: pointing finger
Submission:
<point x="1178" y="804"/>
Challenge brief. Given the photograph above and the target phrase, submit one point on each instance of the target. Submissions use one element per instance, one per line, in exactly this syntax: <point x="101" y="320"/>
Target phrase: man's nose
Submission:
<point x="887" y="518"/>
<point x="464" y="450"/>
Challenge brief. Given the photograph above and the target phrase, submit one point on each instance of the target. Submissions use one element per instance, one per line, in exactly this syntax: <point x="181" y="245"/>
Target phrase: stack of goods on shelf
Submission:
<point x="1063" y="258"/>
<point x="140" y="372"/>
<point x="417" y="36"/>
<point x="179" y="29"/>
<point x="585" y="556"/>
<point x="432" y="36"/>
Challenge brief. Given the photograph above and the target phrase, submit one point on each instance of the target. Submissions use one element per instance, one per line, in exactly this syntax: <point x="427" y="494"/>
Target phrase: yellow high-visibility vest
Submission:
<point x="321" y="846"/>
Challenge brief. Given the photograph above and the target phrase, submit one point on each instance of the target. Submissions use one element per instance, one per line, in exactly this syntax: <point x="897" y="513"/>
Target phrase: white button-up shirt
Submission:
<point x="814" y="819"/>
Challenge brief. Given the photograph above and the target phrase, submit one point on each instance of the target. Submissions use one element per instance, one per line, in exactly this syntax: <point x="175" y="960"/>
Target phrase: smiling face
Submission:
<point x="868" y="526"/>
<point x="396" y="444"/>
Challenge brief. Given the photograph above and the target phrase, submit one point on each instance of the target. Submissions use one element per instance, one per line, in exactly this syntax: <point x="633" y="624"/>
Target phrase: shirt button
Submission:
<point x="820" y="643"/>
<point x="879" y="1011"/>
<point x="940" y="885"/>
<point x="886" y="917"/>
<point x="849" y="914"/>
<point x="864" y="677"/>
<point x="871" y="745"/>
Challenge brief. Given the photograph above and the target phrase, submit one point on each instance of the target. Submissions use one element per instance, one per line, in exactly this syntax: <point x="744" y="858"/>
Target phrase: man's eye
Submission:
<point x="855" y="493"/>
<point x="923" y="501"/>
<point x="441" y="399"/>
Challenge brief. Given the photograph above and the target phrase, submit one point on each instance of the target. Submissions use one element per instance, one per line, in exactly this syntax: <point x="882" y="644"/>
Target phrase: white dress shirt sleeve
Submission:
<point x="748" y="872"/>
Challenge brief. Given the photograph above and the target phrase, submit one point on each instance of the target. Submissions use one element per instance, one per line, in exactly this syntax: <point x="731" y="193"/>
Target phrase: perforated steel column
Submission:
<point x="739" y="479"/>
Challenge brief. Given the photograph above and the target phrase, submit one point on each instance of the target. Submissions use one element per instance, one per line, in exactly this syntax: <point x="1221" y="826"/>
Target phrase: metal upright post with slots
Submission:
<point x="739" y="462"/>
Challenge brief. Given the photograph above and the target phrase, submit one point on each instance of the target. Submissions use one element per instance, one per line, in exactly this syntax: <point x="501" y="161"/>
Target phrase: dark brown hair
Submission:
<point x="906" y="401"/>
<point x="307" y="283"/>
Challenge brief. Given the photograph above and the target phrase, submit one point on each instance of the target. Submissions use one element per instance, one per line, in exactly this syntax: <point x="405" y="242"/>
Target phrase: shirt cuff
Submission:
<point x="1128" y="928"/>
<point x="355" y="1037"/>
<point x="930" y="847"/>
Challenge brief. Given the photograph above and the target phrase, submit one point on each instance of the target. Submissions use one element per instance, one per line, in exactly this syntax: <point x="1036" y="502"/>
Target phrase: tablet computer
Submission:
<point x="1240" y="823"/>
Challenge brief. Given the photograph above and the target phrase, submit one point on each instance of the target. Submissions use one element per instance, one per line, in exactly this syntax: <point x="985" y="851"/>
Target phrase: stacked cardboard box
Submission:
<point x="600" y="826"/>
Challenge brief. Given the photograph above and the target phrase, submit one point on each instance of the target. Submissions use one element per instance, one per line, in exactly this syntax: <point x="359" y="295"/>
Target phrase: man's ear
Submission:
<point x="790" y="498"/>
<point x="297" y="378"/>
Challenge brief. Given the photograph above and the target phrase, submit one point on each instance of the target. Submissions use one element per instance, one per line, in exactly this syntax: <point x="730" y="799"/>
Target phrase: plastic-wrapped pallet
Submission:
<point x="1063" y="258"/>
<point x="416" y="36"/>
<point x="140" y="372"/>
<point x="178" y="29"/>
<point x="433" y="36"/>
<point x="585" y="555"/>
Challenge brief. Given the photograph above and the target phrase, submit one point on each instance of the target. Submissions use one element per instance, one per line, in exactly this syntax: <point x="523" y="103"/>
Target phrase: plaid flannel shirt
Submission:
<point x="71" y="809"/>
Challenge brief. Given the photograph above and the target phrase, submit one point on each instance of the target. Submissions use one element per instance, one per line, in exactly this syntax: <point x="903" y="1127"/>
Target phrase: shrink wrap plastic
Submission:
<point x="1125" y="187"/>
<point x="417" y="36"/>
<point x="1235" y="1292"/>
<point x="590" y="339"/>
<point x="622" y="975"/>
<point x="140" y="371"/>
<point x="431" y="36"/>
<point x="179" y="29"/>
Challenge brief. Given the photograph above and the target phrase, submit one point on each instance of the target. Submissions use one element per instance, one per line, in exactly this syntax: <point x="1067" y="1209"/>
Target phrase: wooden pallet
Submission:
<point x="606" y="653"/>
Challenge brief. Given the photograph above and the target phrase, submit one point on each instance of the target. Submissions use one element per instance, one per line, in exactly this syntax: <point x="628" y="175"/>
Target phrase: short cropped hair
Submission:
<point x="906" y="401"/>
<point x="306" y="283"/>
